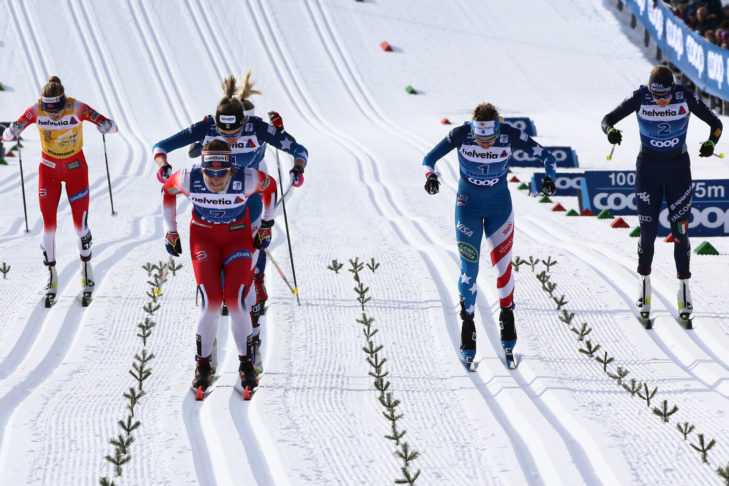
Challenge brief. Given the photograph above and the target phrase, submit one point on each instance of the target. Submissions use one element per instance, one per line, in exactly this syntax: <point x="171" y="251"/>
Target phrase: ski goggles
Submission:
<point x="53" y="104"/>
<point x="485" y="131"/>
<point x="658" y="97"/>
<point x="216" y="172"/>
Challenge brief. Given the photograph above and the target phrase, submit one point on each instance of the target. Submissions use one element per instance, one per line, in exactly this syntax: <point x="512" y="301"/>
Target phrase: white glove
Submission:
<point x="12" y="132"/>
<point x="106" y="126"/>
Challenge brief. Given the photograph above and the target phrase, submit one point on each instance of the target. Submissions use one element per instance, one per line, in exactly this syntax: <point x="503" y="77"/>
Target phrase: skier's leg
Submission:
<point x="648" y="198"/>
<point x="499" y="230"/>
<point x="77" y="190"/>
<point x="49" y="193"/>
<point x="678" y="200"/>
<point x="238" y="277"/>
<point x="206" y="263"/>
<point x="468" y="235"/>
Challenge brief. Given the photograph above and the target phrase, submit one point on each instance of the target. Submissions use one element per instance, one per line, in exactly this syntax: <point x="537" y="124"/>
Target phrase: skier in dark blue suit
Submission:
<point x="663" y="168"/>
<point x="483" y="206"/>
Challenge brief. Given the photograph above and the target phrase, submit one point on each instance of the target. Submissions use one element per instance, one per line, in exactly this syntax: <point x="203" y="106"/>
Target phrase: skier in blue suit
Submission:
<point x="663" y="167"/>
<point x="483" y="206"/>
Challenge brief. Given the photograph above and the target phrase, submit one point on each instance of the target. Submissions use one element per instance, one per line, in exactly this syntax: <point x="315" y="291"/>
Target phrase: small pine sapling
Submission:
<point x="685" y="428"/>
<point x="335" y="266"/>
<point x="605" y="361"/>
<point x="633" y="388"/>
<point x="663" y="412"/>
<point x="5" y="268"/>
<point x="582" y="332"/>
<point x="549" y="263"/>
<point x="703" y="448"/>
<point x="648" y="395"/>
<point x="619" y="375"/>
<point x="372" y="265"/>
<point x="590" y="349"/>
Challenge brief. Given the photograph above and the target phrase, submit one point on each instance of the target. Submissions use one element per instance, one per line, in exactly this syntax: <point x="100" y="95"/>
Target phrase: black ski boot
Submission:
<point x="468" y="338"/>
<point x="508" y="336"/>
<point x="203" y="377"/>
<point x="248" y="379"/>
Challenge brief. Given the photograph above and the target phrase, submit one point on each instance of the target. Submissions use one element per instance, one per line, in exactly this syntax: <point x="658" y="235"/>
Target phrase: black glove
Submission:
<point x="173" y="244"/>
<point x="548" y="187"/>
<point x="614" y="136"/>
<point x="432" y="185"/>
<point x="195" y="150"/>
<point x="263" y="237"/>
<point x="297" y="176"/>
<point x="707" y="149"/>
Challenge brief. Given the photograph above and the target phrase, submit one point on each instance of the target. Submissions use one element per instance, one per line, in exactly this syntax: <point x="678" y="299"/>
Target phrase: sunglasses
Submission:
<point x="215" y="172"/>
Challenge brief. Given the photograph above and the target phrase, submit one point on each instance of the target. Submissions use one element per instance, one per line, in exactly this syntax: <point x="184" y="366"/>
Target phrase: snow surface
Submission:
<point x="155" y="67"/>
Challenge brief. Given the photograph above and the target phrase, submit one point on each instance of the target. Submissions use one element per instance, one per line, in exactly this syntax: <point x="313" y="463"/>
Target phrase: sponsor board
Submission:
<point x="615" y="191"/>
<point x="567" y="184"/>
<point x="565" y="156"/>
<point x="523" y="123"/>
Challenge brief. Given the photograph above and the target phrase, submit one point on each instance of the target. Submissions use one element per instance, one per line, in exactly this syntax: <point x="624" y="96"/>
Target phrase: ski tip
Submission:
<point x="247" y="393"/>
<point x="199" y="394"/>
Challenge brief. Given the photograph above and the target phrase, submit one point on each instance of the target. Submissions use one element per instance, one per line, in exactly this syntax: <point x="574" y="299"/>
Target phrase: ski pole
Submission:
<point x="22" y="185"/>
<point x="610" y="156"/>
<point x="720" y="155"/>
<point x="286" y="222"/>
<point x="108" y="178"/>
<point x="293" y="290"/>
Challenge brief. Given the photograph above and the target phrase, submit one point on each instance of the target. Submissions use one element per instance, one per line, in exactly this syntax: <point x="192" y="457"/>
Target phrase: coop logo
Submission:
<point x="464" y="229"/>
<point x="674" y="38"/>
<point x="665" y="143"/>
<point x="483" y="182"/>
<point x="615" y="201"/>
<point x="695" y="55"/>
<point x="715" y="65"/>
<point x="560" y="155"/>
<point x="655" y="17"/>
<point x="710" y="218"/>
<point x="480" y="155"/>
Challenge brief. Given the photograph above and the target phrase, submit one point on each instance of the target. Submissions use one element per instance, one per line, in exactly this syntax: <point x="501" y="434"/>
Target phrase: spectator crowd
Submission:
<point x="708" y="18"/>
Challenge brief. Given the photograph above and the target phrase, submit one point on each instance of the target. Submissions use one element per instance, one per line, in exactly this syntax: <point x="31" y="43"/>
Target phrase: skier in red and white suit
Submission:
<point x="220" y="241"/>
<point x="59" y="121"/>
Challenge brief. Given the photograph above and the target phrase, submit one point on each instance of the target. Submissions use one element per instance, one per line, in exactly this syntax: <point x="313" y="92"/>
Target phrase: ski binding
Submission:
<point x="50" y="300"/>
<point x="86" y="299"/>
<point x="511" y="361"/>
<point x="687" y="320"/>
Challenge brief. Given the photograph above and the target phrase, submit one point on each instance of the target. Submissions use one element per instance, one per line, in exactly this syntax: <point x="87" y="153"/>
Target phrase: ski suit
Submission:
<point x="483" y="203"/>
<point x="63" y="161"/>
<point x="663" y="167"/>
<point x="248" y="151"/>
<point x="221" y="240"/>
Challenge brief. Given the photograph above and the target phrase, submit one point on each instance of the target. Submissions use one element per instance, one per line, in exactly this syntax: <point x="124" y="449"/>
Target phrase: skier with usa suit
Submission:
<point x="483" y="206"/>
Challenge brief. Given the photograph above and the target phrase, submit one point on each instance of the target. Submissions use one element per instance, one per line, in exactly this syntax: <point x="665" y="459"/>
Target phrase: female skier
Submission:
<point x="59" y="123"/>
<point x="663" y="167"/>
<point x="483" y="206"/>
<point x="221" y="240"/>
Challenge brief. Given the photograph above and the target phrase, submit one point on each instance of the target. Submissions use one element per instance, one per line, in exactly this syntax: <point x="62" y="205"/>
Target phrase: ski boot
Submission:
<point x="468" y="339"/>
<point x="52" y="285"/>
<point x="508" y="336"/>
<point x="203" y="378"/>
<point x="248" y="379"/>
<point x="259" y="309"/>
<point x="685" y="304"/>
<point x="87" y="281"/>
<point x="644" y="301"/>
<point x="256" y="357"/>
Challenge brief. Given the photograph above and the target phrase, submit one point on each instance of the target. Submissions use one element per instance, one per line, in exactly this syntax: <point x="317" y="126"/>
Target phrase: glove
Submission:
<point x="276" y="120"/>
<point x="263" y="237"/>
<point x="297" y="176"/>
<point x="432" y="185"/>
<point x="195" y="150"/>
<point x="12" y="132"/>
<point x="164" y="172"/>
<point x="106" y="126"/>
<point x="614" y="136"/>
<point x="707" y="149"/>
<point x="172" y="243"/>
<point x="548" y="187"/>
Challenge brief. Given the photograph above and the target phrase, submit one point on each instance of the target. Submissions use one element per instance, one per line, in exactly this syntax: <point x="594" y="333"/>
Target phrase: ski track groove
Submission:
<point x="584" y="471"/>
<point x="666" y="344"/>
<point x="72" y="321"/>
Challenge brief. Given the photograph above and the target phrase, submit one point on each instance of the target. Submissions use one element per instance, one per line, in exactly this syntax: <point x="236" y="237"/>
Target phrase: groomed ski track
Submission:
<point x="557" y="419"/>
